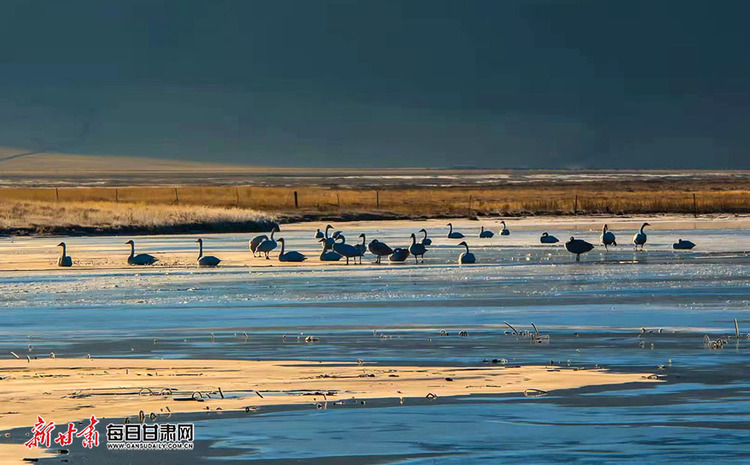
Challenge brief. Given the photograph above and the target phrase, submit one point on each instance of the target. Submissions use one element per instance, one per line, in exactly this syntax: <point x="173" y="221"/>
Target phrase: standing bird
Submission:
<point x="417" y="249"/>
<point x="454" y="235"/>
<point x="547" y="239"/>
<point x="486" y="234"/>
<point x="683" y="245"/>
<point x="319" y="234"/>
<point x="379" y="249"/>
<point x="267" y="245"/>
<point x="578" y="246"/>
<point x="640" y="237"/>
<point x="64" y="259"/>
<point x="328" y="255"/>
<point x="291" y="256"/>
<point x="346" y="250"/>
<point x="206" y="261"/>
<point x="141" y="258"/>
<point x="425" y="240"/>
<point x="505" y="231"/>
<point x="607" y="238"/>
<point x="361" y="247"/>
<point x="466" y="257"/>
<point x="399" y="254"/>
<point x="329" y="240"/>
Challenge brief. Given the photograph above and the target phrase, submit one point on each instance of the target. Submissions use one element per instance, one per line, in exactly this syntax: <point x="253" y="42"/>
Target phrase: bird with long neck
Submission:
<point x="64" y="259"/>
<point x="640" y="237"/>
<point x="466" y="257"/>
<point x="417" y="249"/>
<point x="205" y="260"/>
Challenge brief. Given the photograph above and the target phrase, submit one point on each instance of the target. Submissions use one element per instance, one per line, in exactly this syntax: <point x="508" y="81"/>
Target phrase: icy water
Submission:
<point x="623" y="310"/>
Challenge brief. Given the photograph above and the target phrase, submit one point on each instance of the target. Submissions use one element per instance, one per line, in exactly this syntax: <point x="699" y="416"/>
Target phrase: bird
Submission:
<point x="346" y="250"/>
<point x="466" y="257"/>
<point x="399" y="254"/>
<point x="255" y="242"/>
<point x="640" y="237"/>
<point x="425" y="240"/>
<point x="607" y="238"/>
<point x="486" y="234"/>
<point x="547" y="239"/>
<point x="683" y="245"/>
<point x="328" y="255"/>
<point x="64" y="259"/>
<point x="417" y="249"/>
<point x="505" y="231"/>
<point x="329" y="239"/>
<point x="578" y="246"/>
<point x="268" y="245"/>
<point x="454" y="235"/>
<point x="379" y="249"/>
<point x="206" y="261"/>
<point x="141" y="258"/>
<point x="361" y="247"/>
<point x="291" y="256"/>
<point x="319" y="234"/>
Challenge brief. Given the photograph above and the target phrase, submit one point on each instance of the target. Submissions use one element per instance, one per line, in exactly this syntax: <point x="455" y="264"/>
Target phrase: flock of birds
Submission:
<point x="335" y="247"/>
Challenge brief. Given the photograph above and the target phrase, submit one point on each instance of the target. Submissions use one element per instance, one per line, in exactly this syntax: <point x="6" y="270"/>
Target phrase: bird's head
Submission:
<point x="61" y="244"/>
<point x="130" y="242"/>
<point x="362" y="235"/>
<point x="463" y="243"/>
<point x="646" y="224"/>
<point x="545" y="234"/>
<point x="281" y="239"/>
<point x="328" y="226"/>
<point x="423" y="230"/>
<point x="449" y="224"/>
<point x="571" y="239"/>
<point x="199" y="240"/>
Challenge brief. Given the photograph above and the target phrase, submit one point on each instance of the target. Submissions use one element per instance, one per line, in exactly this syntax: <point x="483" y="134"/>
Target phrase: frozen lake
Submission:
<point x="594" y="312"/>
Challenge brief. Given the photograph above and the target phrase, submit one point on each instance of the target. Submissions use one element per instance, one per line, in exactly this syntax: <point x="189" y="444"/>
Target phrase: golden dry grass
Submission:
<point x="45" y="216"/>
<point x="178" y="203"/>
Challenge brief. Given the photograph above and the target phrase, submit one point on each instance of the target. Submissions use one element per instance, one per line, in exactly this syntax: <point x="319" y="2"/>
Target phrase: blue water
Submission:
<point x="594" y="312"/>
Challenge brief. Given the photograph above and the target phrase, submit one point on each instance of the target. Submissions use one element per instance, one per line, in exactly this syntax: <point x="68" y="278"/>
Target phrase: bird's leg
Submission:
<point x="578" y="257"/>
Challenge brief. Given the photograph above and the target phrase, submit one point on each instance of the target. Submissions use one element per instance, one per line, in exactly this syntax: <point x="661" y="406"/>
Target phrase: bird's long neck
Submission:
<point x="63" y="251"/>
<point x="272" y="233"/>
<point x="282" y="248"/>
<point x="413" y="239"/>
<point x="327" y="228"/>
<point x="132" y="249"/>
<point x="363" y="239"/>
<point x="604" y="229"/>
<point x="451" y="228"/>
<point x="467" y="247"/>
<point x="200" y="249"/>
<point x="482" y="229"/>
<point x="425" y="234"/>
<point x="642" y="226"/>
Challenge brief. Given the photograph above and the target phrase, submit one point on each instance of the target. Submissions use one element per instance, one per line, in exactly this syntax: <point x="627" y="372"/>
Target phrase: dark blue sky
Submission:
<point x="501" y="84"/>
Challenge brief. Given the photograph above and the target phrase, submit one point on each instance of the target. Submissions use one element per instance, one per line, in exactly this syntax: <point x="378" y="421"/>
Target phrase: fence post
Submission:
<point x="236" y="196"/>
<point x="575" y="207"/>
<point x="377" y="199"/>
<point x="296" y="202"/>
<point x="176" y="197"/>
<point x="695" y="208"/>
<point x="57" y="195"/>
<point x="117" y="196"/>
<point x="470" y="199"/>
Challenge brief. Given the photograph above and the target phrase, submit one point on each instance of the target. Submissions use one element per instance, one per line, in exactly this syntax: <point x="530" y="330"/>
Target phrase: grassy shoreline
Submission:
<point x="211" y="209"/>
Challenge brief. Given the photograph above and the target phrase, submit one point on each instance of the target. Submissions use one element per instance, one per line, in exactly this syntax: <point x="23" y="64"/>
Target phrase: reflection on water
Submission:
<point x="594" y="313"/>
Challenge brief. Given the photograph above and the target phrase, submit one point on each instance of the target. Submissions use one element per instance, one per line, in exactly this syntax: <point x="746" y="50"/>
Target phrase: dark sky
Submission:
<point x="500" y="84"/>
